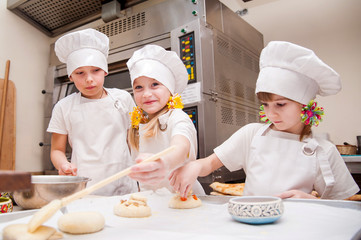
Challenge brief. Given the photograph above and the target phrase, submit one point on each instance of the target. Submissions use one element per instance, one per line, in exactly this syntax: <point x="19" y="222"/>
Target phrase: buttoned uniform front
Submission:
<point x="276" y="161"/>
<point x="97" y="133"/>
<point x="174" y="122"/>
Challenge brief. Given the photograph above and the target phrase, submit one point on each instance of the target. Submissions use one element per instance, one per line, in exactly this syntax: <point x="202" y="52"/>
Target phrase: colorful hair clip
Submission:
<point x="175" y="102"/>
<point x="311" y="114"/>
<point x="137" y="117"/>
<point x="263" y="116"/>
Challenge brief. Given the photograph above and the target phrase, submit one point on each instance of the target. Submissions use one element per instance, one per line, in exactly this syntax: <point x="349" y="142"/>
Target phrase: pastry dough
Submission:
<point x="135" y="207"/>
<point x="20" y="231"/>
<point x="217" y="194"/>
<point x="356" y="197"/>
<point x="234" y="189"/>
<point x="81" y="222"/>
<point x="192" y="201"/>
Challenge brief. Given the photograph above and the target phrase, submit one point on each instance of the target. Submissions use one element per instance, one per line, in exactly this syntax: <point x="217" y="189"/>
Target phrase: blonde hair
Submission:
<point x="151" y="129"/>
<point x="306" y="131"/>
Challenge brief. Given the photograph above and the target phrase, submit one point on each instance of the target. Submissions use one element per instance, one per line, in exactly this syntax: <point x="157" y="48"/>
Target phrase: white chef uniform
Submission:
<point x="166" y="67"/>
<point x="178" y="123"/>
<point x="276" y="161"/>
<point x="272" y="166"/>
<point x="96" y="128"/>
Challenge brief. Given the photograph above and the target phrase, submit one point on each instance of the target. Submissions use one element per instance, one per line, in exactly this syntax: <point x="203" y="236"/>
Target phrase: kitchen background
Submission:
<point x="332" y="28"/>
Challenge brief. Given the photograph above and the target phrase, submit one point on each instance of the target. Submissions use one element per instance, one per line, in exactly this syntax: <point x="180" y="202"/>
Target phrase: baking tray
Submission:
<point x="330" y="219"/>
<point x="209" y="199"/>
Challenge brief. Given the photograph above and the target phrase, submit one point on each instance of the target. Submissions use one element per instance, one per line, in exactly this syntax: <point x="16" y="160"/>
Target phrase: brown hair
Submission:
<point x="265" y="96"/>
<point x="151" y="129"/>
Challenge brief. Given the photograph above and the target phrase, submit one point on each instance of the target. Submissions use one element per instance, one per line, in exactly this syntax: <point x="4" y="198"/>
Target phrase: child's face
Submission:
<point x="285" y="114"/>
<point x="89" y="81"/>
<point x="150" y="95"/>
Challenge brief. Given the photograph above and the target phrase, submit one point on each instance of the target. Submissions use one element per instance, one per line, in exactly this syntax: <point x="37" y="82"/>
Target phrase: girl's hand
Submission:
<point x="151" y="173"/>
<point x="68" y="169"/>
<point x="296" y="194"/>
<point x="183" y="178"/>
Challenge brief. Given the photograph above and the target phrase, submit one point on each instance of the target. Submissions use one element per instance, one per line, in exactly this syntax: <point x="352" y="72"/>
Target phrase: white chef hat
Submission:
<point x="83" y="48"/>
<point x="164" y="66"/>
<point x="295" y="72"/>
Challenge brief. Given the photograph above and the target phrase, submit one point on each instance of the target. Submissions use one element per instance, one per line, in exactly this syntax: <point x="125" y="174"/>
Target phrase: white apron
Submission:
<point x="98" y="139"/>
<point x="277" y="165"/>
<point x="161" y="142"/>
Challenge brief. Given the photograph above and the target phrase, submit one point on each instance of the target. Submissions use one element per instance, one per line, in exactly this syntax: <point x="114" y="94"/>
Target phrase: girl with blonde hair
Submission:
<point x="158" y="77"/>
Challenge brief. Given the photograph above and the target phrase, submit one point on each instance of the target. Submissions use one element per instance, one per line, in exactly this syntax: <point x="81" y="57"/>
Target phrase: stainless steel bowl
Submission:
<point x="45" y="188"/>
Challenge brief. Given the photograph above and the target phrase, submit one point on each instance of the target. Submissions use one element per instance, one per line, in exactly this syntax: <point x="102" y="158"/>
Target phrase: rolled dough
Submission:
<point x="20" y="231"/>
<point x="81" y="222"/>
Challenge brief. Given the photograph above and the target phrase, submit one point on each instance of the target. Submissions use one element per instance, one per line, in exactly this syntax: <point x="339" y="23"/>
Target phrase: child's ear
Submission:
<point x="105" y="73"/>
<point x="71" y="78"/>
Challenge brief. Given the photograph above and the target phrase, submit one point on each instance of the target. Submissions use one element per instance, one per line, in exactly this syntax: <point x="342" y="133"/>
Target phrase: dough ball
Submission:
<point x="20" y="231"/>
<point x="190" y="202"/>
<point x="81" y="222"/>
<point x="135" y="207"/>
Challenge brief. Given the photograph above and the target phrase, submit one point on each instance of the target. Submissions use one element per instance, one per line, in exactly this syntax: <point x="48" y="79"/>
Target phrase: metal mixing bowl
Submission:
<point x="45" y="188"/>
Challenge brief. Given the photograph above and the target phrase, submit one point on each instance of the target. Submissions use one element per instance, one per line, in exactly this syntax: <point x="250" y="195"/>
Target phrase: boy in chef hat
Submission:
<point x="95" y="120"/>
<point x="158" y="77"/>
<point x="282" y="157"/>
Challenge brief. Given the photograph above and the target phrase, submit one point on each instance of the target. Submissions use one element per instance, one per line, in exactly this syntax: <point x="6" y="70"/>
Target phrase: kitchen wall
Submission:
<point x="28" y="51"/>
<point x="331" y="28"/>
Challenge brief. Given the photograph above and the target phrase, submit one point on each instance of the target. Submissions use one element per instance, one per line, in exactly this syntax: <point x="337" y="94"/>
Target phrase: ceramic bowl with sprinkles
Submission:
<point x="256" y="209"/>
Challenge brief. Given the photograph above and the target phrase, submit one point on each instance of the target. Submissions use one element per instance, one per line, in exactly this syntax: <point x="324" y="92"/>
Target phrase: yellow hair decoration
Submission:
<point x="137" y="117"/>
<point x="175" y="102"/>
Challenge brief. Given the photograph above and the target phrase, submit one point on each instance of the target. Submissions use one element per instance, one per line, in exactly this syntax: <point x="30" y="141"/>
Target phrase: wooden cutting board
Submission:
<point x="7" y="160"/>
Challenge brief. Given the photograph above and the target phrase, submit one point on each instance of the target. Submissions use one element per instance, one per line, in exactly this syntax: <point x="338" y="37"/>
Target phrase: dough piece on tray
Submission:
<point x="356" y="197"/>
<point x="217" y="194"/>
<point x="192" y="201"/>
<point x="135" y="207"/>
<point x="81" y="222"/>
<point x="234" y="189"/>
<point x="20" y="231"/>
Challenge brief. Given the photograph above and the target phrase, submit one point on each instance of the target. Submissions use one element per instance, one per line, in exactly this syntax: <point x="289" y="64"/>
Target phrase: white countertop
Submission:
<point x="302" y="219"/>
<point x="352" y="158"/>
<point x="353" y="163"/>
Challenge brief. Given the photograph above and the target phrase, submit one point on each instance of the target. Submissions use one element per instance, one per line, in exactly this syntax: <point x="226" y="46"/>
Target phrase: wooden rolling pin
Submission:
<point x="51" y="208"/>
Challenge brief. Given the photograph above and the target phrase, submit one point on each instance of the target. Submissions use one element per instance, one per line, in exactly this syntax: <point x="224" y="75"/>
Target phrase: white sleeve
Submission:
<point x="57" y="122"/>
<point x="344" y="185"/>
<point x="181" y="124"/>
<point x="234" y="152"/>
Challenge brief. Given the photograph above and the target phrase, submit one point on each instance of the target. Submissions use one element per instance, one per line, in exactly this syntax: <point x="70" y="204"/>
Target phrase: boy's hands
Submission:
<point x="68" y="169"/>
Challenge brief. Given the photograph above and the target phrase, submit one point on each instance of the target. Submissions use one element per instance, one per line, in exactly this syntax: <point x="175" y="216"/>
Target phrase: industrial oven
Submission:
<point x="219" y="49"/>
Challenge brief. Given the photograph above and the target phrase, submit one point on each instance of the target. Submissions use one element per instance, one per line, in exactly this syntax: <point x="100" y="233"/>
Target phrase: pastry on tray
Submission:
<point x="135" y="207"/>
<point x="234" y="189"/>
<point x="191" y="201"/>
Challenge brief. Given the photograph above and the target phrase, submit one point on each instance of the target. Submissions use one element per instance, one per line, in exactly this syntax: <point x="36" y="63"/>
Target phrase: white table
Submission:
<point x="302" y="219"/>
